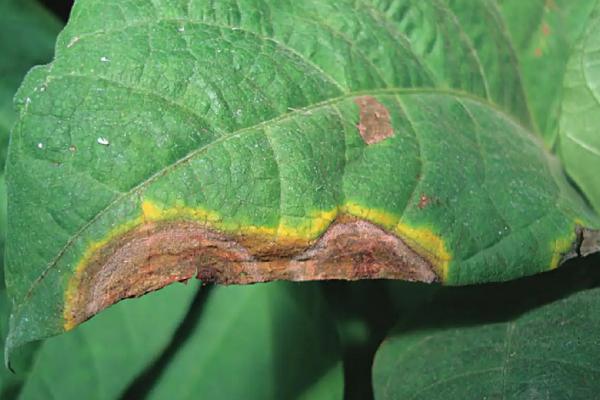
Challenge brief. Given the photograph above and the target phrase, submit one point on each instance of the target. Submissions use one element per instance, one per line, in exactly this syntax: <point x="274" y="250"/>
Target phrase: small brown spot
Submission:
<point x="538" y="52"/>
<point x="545" y="29"/>
<point x="423" y="201"/>
<point x="375" y="123"/>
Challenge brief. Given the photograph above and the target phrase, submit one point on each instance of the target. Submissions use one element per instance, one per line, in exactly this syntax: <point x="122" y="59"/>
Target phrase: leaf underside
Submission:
<point x="238" y="142"/>
<point x="547" y="352"/>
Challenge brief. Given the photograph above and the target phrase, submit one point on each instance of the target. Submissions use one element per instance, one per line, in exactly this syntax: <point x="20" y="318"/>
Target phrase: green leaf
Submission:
<point x="544" y="34"/>
<point x="27" y="35"/>
<point x="492" y="343"/>
<point x="364" y="313"/>
<point x="276" y="340"/>
<point x="101" y="358"/>
<point x="247" y="141"/>
<point x="579" y="138"/>
<point x="464" y="45"/>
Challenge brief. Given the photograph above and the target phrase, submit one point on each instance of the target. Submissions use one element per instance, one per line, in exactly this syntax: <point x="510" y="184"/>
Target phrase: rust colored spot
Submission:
<point x="545" y="29"/>
<point x="157" y="254"/>
<point x="423" y="201"/>
<point x="375" y="123"/>
<point x="538" y="52"/>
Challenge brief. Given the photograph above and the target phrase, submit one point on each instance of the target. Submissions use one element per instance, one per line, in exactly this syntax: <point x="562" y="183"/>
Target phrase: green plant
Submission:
<point x="250" y="141"/>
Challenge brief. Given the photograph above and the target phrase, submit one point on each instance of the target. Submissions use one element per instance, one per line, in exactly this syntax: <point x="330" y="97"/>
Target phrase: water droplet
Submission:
<point x="104" y="59"/>
<point x="181" y="29"/>
<point x="40" y="145"/>
<point x="103" y="141"/>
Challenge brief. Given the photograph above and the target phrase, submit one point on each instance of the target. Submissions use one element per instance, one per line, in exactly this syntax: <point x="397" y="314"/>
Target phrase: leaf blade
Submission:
<point x="144" y="144"/>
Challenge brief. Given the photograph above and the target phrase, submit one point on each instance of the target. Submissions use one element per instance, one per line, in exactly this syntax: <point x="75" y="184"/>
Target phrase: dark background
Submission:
<point x="60" y="7"/>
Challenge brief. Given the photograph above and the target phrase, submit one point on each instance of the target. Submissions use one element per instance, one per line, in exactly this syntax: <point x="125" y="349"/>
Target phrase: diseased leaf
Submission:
<point x="544" y="34"/>
<point x="27" y="35"/>
<point x="251" y="141"/>
<point x="100" y="359"/>
<point x="277" y="340"/>
<point x="491" y="343"/>
<point x="579" y="138"/>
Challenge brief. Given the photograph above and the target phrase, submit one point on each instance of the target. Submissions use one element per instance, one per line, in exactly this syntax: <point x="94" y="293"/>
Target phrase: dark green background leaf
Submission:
<point x="266" y="341"/>
<point x="101" y="358"/>
<point x="528" y="339"/>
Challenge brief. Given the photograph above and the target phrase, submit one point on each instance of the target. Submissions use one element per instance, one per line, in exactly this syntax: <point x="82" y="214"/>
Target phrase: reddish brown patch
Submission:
<point x="423" y="201"/>
<point x="545" y="29"/>
<point x="157" y="254"/>
<point x="537" y="52"/>
<point x="375" y="123"/>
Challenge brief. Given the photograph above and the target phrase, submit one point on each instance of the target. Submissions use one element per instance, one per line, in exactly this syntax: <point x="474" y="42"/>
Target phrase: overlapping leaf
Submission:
<point x="544" y="35"/>
<point x="102" y="358"/>
<point x="496" y="342"/>
<point x="267" y="341"/>
<point x="579" y="135"/>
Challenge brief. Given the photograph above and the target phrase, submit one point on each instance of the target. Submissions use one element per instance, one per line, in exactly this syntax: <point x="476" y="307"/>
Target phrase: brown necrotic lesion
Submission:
<point x="375" y="123"/>
<point x="156" y="254"/>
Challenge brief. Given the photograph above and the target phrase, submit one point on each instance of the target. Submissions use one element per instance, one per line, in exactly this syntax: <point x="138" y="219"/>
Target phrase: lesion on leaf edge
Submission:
<point x="293" y="253"/>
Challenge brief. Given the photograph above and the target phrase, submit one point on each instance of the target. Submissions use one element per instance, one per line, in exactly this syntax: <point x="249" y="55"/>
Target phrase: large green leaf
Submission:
<point x="274" y="341"/>
<point x="494" y="342"/>
<point x="579" y="136"/>
<point x="250" y="141"/>
<point x="100" y="359"/>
